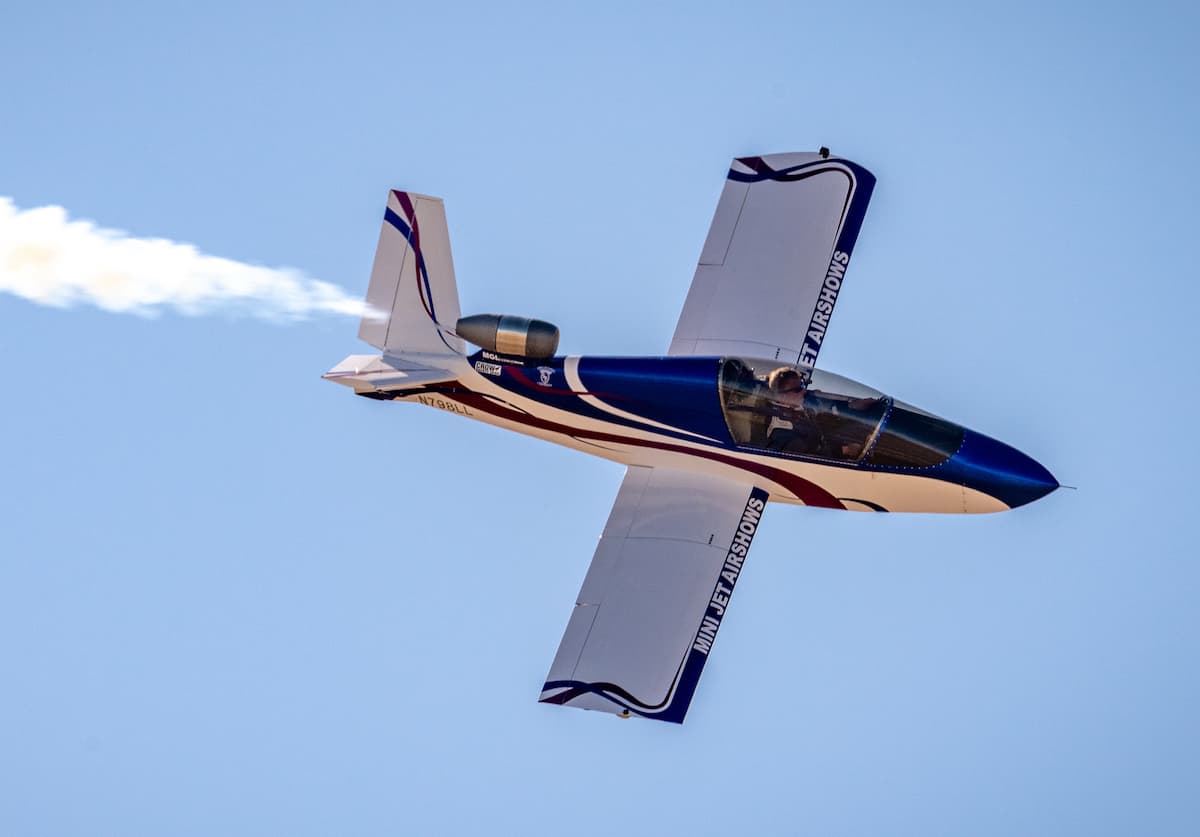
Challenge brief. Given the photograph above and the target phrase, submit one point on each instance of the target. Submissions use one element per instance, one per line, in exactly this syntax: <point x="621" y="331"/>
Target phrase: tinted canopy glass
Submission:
<point x="773" y="407"/>
<point x="913" y="439"/>
<point x="776" y="408"/>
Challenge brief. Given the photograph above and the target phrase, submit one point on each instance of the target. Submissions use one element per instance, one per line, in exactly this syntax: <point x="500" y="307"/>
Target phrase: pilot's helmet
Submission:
<point x="789" y="378"/>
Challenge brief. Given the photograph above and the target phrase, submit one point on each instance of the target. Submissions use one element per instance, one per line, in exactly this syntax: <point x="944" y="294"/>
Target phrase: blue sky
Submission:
<point x="235" y="599"/>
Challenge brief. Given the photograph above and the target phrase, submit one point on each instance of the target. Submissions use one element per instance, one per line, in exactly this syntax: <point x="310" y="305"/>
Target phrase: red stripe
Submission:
<point x="407" y="205"/>
<point x="807" y="492"/>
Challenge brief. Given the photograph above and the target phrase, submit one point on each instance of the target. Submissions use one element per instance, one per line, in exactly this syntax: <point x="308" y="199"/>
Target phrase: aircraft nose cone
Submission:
<point x="1001" y="470"/>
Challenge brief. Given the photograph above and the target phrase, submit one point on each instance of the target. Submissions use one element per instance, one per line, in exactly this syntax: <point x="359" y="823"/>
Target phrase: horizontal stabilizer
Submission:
<point x="374" y="373"/>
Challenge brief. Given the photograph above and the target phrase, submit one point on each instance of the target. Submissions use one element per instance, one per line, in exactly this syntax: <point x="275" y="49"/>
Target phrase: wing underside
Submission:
<point x="773" y="262"/>
<point x="655" y="594"/>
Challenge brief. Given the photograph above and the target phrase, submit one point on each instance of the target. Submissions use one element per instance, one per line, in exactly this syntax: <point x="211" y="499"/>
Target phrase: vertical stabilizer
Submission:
<point x="413" y="294"/>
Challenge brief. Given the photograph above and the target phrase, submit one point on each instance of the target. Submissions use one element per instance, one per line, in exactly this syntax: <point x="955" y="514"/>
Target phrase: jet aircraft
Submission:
<point x="734" y="416"/>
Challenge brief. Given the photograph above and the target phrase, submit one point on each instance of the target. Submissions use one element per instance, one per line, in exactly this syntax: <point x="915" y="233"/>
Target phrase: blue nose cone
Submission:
<point x="1000" y="470"/>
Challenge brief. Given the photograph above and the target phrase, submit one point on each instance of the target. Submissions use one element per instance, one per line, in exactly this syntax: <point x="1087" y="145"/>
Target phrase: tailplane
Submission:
<point x="387" y="376"/>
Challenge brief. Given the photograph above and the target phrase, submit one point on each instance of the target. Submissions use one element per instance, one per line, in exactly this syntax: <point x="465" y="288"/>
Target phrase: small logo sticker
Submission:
<point x="544" y="373"/>
<point x="487" y="368"/>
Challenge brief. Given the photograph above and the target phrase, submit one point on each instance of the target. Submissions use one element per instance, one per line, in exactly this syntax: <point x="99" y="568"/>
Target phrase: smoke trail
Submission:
<point x="49" y="259"/>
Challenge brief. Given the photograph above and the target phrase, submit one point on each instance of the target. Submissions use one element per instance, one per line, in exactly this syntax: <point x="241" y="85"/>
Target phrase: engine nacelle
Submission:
<point x="512" y="336"/>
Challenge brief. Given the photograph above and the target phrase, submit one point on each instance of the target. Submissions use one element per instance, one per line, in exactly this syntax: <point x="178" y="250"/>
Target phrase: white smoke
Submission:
<point x="49" y="259"/>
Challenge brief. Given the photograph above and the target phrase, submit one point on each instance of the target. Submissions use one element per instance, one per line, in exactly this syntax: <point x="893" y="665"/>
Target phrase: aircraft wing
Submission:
<point x="773" y="262"/>
<point x="655" y="594"/>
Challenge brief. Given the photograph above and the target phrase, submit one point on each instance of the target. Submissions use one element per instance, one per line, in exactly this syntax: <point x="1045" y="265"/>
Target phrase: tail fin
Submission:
<point x="413" y="295"/>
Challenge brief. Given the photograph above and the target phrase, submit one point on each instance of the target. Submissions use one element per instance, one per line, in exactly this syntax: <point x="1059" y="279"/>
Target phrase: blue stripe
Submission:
<point x="680" y="392"/>
<point x="405" y="230"/>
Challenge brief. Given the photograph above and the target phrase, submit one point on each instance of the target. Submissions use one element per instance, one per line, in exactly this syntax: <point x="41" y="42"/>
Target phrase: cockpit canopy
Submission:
<point x="777" y="408"/>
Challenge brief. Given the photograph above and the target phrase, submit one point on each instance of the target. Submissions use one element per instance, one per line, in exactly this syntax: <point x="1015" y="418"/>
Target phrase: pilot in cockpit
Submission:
<point x="808" y="421"/>
<point x="787" y="379"/>
<point x="792" y="429"/>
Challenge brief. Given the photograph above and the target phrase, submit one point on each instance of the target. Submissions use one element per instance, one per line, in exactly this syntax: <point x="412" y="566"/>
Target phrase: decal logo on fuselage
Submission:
<point x="442" y="404"/>
<point x="486" y="368"/>
<point x="824" y="307"/>
<point x="738" y="549"/>
<point x="509" y="360"/>
<point x="544" y="373"/>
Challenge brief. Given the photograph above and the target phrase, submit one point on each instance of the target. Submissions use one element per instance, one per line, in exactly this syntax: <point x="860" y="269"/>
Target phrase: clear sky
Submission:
<point x="234" y="599"/>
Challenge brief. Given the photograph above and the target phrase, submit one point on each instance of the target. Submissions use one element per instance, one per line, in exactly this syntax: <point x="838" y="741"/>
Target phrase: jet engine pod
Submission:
<point x="512" y="336"/>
